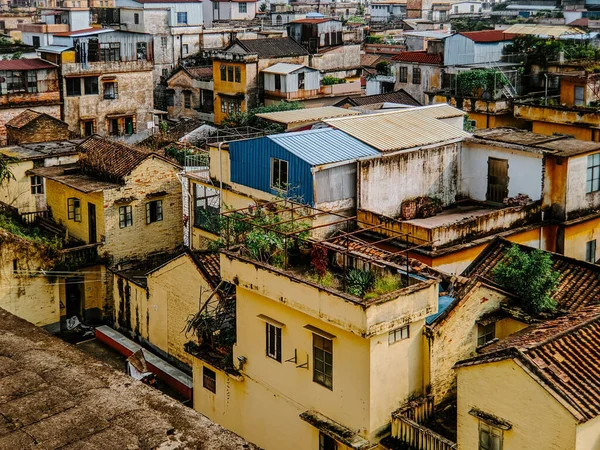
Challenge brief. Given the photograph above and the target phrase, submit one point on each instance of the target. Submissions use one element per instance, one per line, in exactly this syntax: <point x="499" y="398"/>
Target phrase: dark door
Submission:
<point x="88" y="128"/>
<point x="497" y="189"/>
<point x="92" y="223"/>
<point x="73" y="290"/>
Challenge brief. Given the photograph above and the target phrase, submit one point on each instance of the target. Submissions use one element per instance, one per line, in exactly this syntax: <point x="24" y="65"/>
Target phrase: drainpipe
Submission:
<point x="546" y="90"/>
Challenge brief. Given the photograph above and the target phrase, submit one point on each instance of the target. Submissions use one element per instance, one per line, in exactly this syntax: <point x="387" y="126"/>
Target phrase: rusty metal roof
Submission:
<point x="307" y="114"/>
<point x="400" y="96"/>
<point x="399" y="130"/>
<point x="26" y="64"/>
<point x="271" y="47"/>
<point x="56" y="396"/>
<point x="562" y="353"/>
<point x="578" y="282"/>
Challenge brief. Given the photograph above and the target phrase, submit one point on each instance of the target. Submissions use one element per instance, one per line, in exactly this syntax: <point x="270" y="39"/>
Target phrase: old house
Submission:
<point x="316" y="33"/>
<point x="475" y="47"/>
<point x="26" y="192"/>
<point x="123" y="199"/>
<point x="55" y="17"/>
<point x="293" y="82"/>
<point x="190" y="93"/>
<point x="550" y="368"/>
<point x="27" y="84"/>
<point x="155" y="297"/>
<point x="107" y="83"/>
<point x="418" y="72"/>
<point x="481" y="311"/>
<point x="399" y="98"/>
<point x="32" y="126"/>
<point x="387" y="10"/>
<point x="133" y="415"/>
<point x="313" y="358"/>
<point x="229" y="11"/>
<point x="236" y="71"/>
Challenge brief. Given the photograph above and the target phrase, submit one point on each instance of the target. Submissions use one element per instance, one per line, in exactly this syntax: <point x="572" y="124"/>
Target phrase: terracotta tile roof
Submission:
<point x="581" y="22"/>
<point x="108" y="159"/>
<point x="421" y="57"/>
<point x="578" y="283"/>
<point x="369" y="59"/>
<point x="26" y="64"/>
<point x="563" y="354"/>
<point x="399" y="96"/>
<point x="486" y="36"/>
<point x="272" y="47"/>
<point x="210" y="265"/>
<point x="200" y="73"/>
<point x="26" y="117"/>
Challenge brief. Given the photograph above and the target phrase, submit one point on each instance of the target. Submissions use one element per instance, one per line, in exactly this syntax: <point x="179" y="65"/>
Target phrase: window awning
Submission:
<point x="271" y="321"/>
<point x="320" y="332"/>
<point x="490" y="419"/>
<point x="335" y="430"/>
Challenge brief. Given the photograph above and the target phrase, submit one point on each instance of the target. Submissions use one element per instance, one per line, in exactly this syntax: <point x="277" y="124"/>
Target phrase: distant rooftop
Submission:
<point x="486" y="36"/>
<point x="399" y="97"/>
<point x="420" y="56"/>
<point x="543" y="30"/>
<point x="84" y="32"/>
<point x="55" y="396"/>
<point x="307" y="114"/>
<point x="286" y="68"/>
<point x="26" y="64"/>
<point x="26" y="152"/>
<point x="28" y="116"/>
<point x="270" y="47"/>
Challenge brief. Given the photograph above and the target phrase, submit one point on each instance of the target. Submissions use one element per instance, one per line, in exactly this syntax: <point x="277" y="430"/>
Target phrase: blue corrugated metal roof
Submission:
<point x="323" y="146"/>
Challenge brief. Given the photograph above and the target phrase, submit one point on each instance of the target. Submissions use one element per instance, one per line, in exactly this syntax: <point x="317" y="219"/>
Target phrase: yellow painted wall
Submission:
<point x="17" y="192"/>
<point x="56" y="197"/>
<point x="549" y="129"/>
<point x="577" y="235"/>
<point x="227" y="87"/>
<point x="505" y="390"/>
<point x="588" y="435"/>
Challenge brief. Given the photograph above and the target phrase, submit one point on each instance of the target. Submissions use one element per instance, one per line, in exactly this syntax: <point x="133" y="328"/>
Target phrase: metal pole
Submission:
<point x="546" y="90"/>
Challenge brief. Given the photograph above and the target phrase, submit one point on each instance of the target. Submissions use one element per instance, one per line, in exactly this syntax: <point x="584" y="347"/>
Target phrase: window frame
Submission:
<point x="403" y="74"/>
<point x="491" y="431"/>
<point x="187" y="99"/>
<point x="74" y="209"/>
<point x="209" y="379"/>
<point x="223" y="69"/>
<point x="115" y="90"/>
<point x="230" y="74"/>
<point x="125" y="216"/>
<point x="590" y="251"/>
<point x="209" y="221"/>
<point x="398" y="334"/>
<point x="88" y="84"/>
<point x="319" y="346"/>
<point x="182" y="18"/>
<point x="485" y="333"/>
<point x="327" y="442"/>
<point x="37" y="185"/>
<point x="593" y="173"/>
<point x="273" y="341"/>
<point x="276" y="167"/>
<point x="416" y="75"/>
<point x="157" y="214"/>
<point x="136" y="18"/>
<point x="185" y="49"/>
<point x="245" y="8"/>
<point x="238" y="74"/>
<point x="75" y="83"/>
<point x="164" y="42"/>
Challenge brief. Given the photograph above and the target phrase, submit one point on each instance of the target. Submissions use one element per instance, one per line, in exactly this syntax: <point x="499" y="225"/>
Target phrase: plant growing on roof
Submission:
<point x="473" y="83"/>
<point x="529" y="275"/>
<point x="249" y="118"/>
<point x="318" y="259"/>
<point x="360" y="281"/>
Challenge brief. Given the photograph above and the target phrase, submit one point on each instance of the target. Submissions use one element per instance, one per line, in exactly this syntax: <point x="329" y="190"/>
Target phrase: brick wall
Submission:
<point x="42" y="129"/>
<point x="10" y="113"/>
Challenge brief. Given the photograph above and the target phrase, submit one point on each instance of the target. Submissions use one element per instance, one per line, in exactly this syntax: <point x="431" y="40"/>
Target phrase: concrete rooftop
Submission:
<point x="54" y="396"/>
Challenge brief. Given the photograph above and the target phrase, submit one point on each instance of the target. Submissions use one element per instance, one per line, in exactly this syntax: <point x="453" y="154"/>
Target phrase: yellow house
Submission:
<point x="155" y="298"/>
<point x="313" y="365"/>
<point x="537" y="389"/>
<point x="123" y="199"/>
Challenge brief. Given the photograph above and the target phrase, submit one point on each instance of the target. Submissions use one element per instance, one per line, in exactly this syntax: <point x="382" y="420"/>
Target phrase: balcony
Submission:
<point x="107" y="67"/>
<point x="461" y="223"/>
<point x="553" y="112"/>
<point x="352" y="87"/>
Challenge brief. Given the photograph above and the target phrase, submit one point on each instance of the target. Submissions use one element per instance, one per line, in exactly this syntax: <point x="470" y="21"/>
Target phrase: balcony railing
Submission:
<point x="34" y="216"/>
<point x="80" y="256"/>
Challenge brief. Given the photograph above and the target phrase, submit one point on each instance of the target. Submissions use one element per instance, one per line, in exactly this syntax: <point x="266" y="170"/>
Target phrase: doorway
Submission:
<point x="74" y="294"/>
<point x="92" y="223"/>
<point x="497" y="189"/>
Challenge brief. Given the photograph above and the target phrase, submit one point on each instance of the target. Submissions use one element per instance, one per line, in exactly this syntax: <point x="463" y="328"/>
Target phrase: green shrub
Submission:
<point x="359" y="281"/>
<point x="328" y="81"/>
<point x="386" y="284"/>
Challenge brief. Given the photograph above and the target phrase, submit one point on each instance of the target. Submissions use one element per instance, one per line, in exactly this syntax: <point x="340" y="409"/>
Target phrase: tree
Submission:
<point x="5" y="173"/>
<point x="529" y="275"/>
<point x="249" y="118"/>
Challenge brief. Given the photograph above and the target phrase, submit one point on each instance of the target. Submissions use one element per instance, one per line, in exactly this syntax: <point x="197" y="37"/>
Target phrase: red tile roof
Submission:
<point x="581" y="22"/>
<point x="26" y="64"/>
<point x="578" y="282"/>
<point x="485" y="36"/>
<point x="23" y="119"/>
<point x="421" y="57"/>
<point x="200" y="72"/>
<point x="563" y="355"/>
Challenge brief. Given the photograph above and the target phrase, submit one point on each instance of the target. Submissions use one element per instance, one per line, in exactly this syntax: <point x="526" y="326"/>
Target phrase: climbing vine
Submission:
<point x="473" y="83"/>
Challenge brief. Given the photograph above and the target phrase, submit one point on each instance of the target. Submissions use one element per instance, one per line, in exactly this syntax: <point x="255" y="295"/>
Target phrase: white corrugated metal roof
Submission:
<point x="323" y="146"/>
<point x="307" y="115"/>
<point x="53" y="48"/>
<point x="543" y="30"/>
<point x="283" y="68"/>
<point x="398" y="130"/>
<point x="439" y="111"/>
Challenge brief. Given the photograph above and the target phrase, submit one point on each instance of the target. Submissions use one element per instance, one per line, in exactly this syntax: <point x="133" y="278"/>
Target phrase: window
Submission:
<point x="579" y="96"/>
<point x="223" y="72"/>
<point x="90" y="85"/>
<point x="110" y="90"/>
<point x="242" y="8"/>
<point x="170" y="97"/>
<point x="230" y="73"/>
<point x="73" y="87"/>
<point x="279" y="174"/>
<point x="37" y="185"/>
<point x="398" y="334"/>
<point x="485" y="333"/>
<point x="416" y="75"/>
<point x="186" y="49"/>
<point x="323" y="361"/>
<point x="300" y="81"/>
<point x="187" y="99"/>
<point x="590" y="249"/>
<point x="136" y="18"/>
<point x="142" y="50"/>
<point x="215" y="6"/>
<point x="125" y="216"/>
<point x="456" y="10"/>
<point x="490" y="438"/>
<point x="3" y="25"/>
<point x="277" y="82"/>
<point x="206" y="208"/>
<point x="209" y="379"/>
<point x="593" y="173"/>
<point x="472" y="8"/>
<point x="273" y="342"/>
<point x="223" y="106"/>
<point x="163" y="41"/>
<point x="88" y="127"/>
<point x="109" y="51"/>
<point x="326" y="442"/>
<point x="403" y="74"/>
<point x="165" y="73"/>
<point x="113" y="127"/>
<point x="182" y="18"/>
<point x="73" y="209"/>
<point x="129" y="125"/>
<point x="154" y="211"/>
<point x="36" y="41"/>
<point x="238" y="75"/>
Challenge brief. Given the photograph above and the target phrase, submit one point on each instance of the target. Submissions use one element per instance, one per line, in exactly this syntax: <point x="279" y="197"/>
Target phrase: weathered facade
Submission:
<point x="190" y="94"/>
<point x="31" y="127"/>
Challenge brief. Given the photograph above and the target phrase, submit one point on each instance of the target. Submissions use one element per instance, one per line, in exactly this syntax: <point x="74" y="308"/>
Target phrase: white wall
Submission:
<point x="79" y="20"/>
<point x="524" y="170"/>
